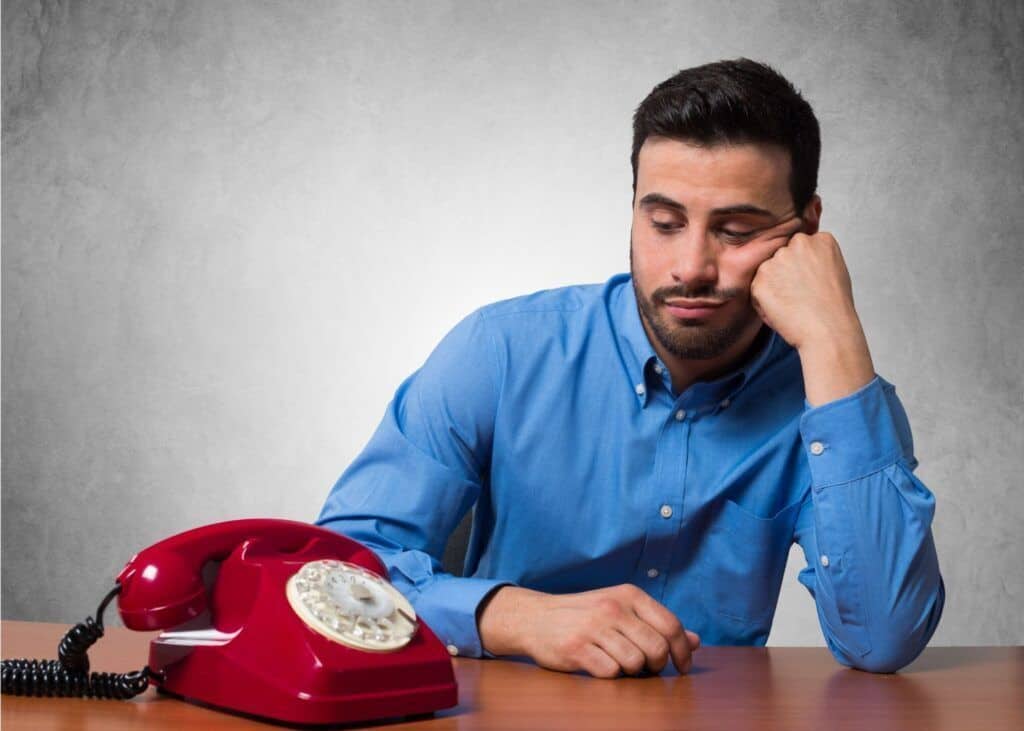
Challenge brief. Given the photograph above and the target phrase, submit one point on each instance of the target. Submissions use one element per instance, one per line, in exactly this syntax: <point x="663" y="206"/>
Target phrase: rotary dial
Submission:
<point x="352" y="605"/>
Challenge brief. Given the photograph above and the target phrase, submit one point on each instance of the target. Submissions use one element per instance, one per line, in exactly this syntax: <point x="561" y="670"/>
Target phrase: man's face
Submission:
<point x="698" y="236"/>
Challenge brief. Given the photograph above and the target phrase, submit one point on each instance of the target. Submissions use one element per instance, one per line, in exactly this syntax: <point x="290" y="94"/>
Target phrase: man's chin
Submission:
<point x="697" y="339"/>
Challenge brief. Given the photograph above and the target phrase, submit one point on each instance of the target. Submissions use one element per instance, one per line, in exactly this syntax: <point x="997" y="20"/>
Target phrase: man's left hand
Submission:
<point x="803" y="292"/>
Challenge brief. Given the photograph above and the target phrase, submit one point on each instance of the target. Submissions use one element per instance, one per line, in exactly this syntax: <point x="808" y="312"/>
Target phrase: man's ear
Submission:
<point x="812" y="216"/>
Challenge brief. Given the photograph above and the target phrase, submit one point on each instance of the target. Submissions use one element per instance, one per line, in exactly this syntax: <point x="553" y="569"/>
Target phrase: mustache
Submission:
<point x="659" y="296"/>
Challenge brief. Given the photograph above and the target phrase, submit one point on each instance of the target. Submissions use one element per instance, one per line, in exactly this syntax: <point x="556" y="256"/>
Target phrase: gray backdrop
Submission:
<point x="231" y="229"/>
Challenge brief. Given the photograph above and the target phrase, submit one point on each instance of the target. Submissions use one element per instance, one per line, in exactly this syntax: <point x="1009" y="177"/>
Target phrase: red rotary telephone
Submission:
<point x="300" y="625"/>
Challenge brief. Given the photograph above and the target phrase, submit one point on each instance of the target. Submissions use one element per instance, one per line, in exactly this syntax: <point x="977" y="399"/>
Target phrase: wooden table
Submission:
<point x="730" y="688"/>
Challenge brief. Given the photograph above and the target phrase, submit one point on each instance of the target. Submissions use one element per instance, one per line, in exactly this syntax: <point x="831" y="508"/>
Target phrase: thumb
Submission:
<point x="694" y="639"/>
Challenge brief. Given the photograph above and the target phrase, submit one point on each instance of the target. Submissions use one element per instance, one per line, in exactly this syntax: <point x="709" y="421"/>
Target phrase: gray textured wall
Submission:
<point x="230" y="229"/>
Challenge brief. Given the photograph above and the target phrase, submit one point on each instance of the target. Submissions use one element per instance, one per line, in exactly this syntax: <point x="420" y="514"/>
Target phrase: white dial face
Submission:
<point x="352" y="605"/>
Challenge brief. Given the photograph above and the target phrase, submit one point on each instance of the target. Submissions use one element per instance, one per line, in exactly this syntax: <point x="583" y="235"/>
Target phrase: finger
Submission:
<point x="783" y="229"/>
<point x="651" y="643"/>
<point x="598" y="663"/>
<point x="759" y="310"/>
<point x="694" y="639"/>
<point x="779" y="235"/>
<point x="622" y="650"/>
<point x="669" y="626"/>
<point x="682" y="653"/>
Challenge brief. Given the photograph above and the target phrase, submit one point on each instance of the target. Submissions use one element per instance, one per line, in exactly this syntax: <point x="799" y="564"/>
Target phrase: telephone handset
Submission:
<point x="300" y="625"/>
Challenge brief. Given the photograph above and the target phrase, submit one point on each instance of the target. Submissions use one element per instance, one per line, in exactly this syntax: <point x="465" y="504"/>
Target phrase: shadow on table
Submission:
<point x="946" y="658"/>
<point x="880" y="701"/>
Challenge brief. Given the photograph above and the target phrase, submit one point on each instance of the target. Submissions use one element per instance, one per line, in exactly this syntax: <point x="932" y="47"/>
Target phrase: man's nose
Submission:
<point x="696" y="260"/>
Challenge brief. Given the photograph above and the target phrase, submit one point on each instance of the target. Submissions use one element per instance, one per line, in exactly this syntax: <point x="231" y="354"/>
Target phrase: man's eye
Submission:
<point x="664" y="226"/>
<point x="735" y="236"/>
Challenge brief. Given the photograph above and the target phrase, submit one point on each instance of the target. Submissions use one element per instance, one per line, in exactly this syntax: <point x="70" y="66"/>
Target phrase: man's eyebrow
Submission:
<point x="658" y="199"/>
<point x="747" y="208"/>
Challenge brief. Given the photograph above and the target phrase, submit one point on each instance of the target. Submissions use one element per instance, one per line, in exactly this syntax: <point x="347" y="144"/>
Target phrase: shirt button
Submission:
<point x="640" y="389"/>
<point x="666" y="511"/>
<point x="817" y="447"/>
<point x="680" y="415"/>
<point x="652" y="573"/>
<point x="824" y="560"/>
<point x="658" y="368"/>
<point x="725" y="403"/>
<point x="453" y="650"/>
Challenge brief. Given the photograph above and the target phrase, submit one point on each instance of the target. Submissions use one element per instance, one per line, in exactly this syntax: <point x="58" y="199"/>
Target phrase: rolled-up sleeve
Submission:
<point x="865" y="530"/>
<point x="420" y="473"/>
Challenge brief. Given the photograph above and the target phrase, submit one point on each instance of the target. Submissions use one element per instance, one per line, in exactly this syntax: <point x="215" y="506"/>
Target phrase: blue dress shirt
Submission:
<point x="553" y="418"/>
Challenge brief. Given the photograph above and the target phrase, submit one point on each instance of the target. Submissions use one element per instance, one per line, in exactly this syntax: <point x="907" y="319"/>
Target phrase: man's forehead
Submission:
<point x="725" y="174"/>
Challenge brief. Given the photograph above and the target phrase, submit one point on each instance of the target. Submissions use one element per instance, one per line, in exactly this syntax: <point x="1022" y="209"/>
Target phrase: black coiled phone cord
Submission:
<point x="69" y="676"/>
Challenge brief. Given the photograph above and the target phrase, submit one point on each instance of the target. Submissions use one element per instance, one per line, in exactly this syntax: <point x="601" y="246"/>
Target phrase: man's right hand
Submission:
<point x="604" y="632"/>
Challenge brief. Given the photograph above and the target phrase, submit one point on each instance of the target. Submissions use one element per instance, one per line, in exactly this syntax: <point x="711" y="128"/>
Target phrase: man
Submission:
<point x="642" y="454"/>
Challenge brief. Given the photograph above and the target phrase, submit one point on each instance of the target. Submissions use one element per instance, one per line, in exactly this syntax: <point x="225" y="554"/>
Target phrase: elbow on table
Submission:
<point x="888" y="660"/>
<point x="881" y="658"/>
<point x="897" y="644"/>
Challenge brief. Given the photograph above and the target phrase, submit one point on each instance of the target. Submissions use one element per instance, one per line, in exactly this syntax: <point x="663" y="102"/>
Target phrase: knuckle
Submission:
<point x="608" y="607"/>
<point x="634" y="663"/>
<point x="627" y="591"/>
<point x="660" y="651"/>
<point x="655" y="646"/>
<point x="672" y="629"/>
<point x="592" y="625"/>
<point x="633" y="592"/>
<point x="570" y="646"/>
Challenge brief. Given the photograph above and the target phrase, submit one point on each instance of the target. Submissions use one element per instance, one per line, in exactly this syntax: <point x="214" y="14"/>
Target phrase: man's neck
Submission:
<point x="687" y="371"/>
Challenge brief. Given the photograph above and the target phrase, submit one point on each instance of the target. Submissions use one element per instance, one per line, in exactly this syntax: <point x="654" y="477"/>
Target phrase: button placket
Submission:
<point x="667" y="494"/>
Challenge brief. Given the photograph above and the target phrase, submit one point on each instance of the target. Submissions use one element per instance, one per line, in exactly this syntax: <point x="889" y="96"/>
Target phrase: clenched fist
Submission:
<point x="803" y="292"/>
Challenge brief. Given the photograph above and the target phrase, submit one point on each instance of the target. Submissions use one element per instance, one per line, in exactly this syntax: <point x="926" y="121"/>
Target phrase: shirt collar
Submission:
<point x="639" y="357"/>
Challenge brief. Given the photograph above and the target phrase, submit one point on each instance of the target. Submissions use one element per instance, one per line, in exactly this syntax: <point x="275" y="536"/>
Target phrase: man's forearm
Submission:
<point x="836" y="364"/>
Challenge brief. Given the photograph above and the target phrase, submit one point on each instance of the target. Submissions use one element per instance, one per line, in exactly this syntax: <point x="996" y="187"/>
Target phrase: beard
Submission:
<point x="691" y="339"/>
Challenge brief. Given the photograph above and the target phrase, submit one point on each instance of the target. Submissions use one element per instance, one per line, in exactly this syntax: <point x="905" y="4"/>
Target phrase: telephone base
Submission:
<point x="409" y="717"/>
<point x="256" y="643"/>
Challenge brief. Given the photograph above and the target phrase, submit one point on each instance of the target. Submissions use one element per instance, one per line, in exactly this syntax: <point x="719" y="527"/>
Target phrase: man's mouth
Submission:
<point x="691" y="309"/>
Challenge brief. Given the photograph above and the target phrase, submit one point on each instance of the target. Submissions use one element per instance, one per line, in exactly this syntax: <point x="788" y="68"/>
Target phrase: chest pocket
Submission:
<point x="743" y="558"/>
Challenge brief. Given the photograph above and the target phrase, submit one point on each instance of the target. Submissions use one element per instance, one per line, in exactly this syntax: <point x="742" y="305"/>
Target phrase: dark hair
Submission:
<point x="736" y="101"/>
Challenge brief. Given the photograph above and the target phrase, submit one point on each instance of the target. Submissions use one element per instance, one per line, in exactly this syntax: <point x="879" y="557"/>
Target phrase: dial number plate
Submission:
<point x="352" y="605"/>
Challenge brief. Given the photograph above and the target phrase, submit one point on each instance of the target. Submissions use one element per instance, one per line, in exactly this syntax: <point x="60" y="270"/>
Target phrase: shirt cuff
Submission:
<point x="449" y="606"/>
<point x="851" y="437"/>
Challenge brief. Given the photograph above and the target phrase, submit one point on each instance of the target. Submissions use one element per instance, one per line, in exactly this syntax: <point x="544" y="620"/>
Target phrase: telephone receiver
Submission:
<point x="299" y="624"/>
